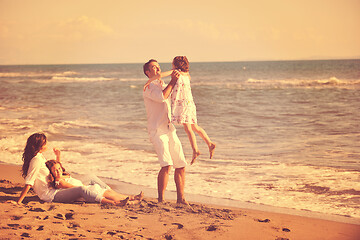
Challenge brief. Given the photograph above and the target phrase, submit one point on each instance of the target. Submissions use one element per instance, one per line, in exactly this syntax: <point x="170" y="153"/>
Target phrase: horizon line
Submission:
<point x="226" y="61"/>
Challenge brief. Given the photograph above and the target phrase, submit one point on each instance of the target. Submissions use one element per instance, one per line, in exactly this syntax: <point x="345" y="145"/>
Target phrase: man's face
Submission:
<point x="154" y="69"/>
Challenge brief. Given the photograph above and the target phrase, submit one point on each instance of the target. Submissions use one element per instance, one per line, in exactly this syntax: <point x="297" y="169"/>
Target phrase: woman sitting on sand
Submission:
<point x="36" y="174"/>
<point x="60" y="179"/>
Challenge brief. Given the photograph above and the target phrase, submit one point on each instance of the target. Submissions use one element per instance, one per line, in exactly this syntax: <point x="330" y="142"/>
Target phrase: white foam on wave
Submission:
<point x="78" y="123"/>
<point x="24" y="74"/>
<point x="250" y="83"/>
<point x="318" y="189"/>
<point x="66" y="73"/>
<point x="281" y="185"/>
<point x="304" y="83"/>
<point x="62" y="79"/>
<point x="37" y="74"/>
<point x="132" y="80"/>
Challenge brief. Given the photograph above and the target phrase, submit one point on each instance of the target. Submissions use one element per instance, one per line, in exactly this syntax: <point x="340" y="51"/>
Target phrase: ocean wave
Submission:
<point x="17" y="77"/>
<point x="132" y="80"/>
<point x="23" y="74"/>
<point x="250" y="83"/>
<point x="66" y="73"/>
<point x="332" y="82"/>
<point x="58" y="127"/>
<point x="62" y="79"/>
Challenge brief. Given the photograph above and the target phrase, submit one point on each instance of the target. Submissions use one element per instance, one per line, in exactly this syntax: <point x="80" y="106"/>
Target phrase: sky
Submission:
<point x="119" y="31"/>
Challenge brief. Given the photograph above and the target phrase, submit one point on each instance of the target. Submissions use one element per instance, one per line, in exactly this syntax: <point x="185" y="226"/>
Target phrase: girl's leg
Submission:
<point x="115" y="196"/>
<point x="72" y="194"/>
<point x="192" y="138"/>
<point x="119" y="199"/>
<point x="199" y="130"/>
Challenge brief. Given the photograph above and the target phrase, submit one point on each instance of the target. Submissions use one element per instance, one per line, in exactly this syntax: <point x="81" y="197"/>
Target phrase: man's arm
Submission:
<point x="174" y="77"/>
<point x="158" y="76"/>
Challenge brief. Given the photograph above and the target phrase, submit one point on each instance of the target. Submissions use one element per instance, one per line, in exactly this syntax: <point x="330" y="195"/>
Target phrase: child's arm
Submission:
<point x="23" y="193"/>
<point x="157" y="76"/>
<point x="57" y="154"/>
<point x="61" y="183"/>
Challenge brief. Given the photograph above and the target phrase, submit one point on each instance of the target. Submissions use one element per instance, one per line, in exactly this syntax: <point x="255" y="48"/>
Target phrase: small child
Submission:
<point x="183" y="109"/>
<point x="60" y="179"/>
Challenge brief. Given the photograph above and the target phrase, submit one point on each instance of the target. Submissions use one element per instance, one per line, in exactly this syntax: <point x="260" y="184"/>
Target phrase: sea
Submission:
<point x="287" y="133"/>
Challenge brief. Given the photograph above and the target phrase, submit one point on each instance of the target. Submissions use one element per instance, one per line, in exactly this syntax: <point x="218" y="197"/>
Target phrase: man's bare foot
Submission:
<point x="195" y="155"/>
<point x="122" y="202"/>
<point x="184" y="203"/>
<point x="212" y="149"/>
<point x="139" y="197"/>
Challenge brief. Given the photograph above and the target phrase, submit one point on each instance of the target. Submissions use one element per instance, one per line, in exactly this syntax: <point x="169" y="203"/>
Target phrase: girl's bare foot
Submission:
<point x="195" y="155"/>
<point x="122" y="202"/>
<point x="212" y="149"/>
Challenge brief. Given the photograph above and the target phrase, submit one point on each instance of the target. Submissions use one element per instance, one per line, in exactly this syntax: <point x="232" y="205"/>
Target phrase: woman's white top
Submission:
<point x="37" y="177"/>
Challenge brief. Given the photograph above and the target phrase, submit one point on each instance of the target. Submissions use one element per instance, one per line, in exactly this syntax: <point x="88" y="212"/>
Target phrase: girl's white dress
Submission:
<point x="183" y="109"/>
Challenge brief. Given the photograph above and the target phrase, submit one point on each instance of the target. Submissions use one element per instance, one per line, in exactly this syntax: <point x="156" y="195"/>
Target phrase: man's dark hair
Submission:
<point x="146" y="66"/>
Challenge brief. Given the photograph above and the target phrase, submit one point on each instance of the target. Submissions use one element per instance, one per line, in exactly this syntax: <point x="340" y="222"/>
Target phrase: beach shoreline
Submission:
<point x="150" y="220"/>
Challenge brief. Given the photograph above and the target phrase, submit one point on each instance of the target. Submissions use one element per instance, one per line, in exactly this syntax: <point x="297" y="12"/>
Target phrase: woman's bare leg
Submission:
<point x="199" y="130"/>
<point x="192" y="139"/>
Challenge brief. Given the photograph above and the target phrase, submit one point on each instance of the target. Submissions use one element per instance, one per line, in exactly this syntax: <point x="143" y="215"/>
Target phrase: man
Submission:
<point x="162" y="132"/>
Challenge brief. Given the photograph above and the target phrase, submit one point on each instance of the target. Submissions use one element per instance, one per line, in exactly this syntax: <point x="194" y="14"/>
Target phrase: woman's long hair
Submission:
<point x="33" y="145"/>
<point x="49" y="164"/>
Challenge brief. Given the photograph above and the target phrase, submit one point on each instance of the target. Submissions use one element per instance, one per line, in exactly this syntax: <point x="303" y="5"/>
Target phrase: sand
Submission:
<point x="149" y="220"/>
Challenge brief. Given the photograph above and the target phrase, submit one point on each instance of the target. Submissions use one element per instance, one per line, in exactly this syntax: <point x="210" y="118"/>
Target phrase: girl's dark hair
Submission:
<point x="182" y="63"/>
<point x="33" y="145"/>
<point x="49" y="164"/>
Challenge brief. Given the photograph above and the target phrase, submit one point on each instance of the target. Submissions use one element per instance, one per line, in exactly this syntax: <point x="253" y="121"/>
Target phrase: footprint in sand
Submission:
<point x="73" y="225"/>
<point x="37" y="210"/>
<point x="264" y="221"/>
<point x="28" y="227"/>
<point x="25" y="235"/>
<point x="69" y="234"/>
<point x="14" y="226"/>
<point x="52" y="207"/>
<point x="15" y="217"/>
<point x="59" y="216"/>
<point x="212" y="228"/>
<point x="111" y="233"/>
<point x="40" y="228"/>
<point x="69" y="216"/>
<point x="180" y="226"/>
<point x="169" y="237"/>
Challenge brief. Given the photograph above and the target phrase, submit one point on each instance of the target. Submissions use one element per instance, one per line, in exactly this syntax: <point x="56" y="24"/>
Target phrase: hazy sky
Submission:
<point x="105" y="31"/>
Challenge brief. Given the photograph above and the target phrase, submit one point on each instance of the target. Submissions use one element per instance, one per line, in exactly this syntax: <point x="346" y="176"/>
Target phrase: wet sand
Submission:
<point x="149" y="220"/>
